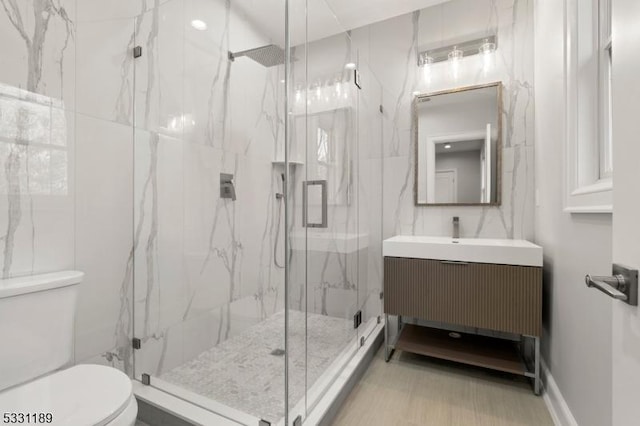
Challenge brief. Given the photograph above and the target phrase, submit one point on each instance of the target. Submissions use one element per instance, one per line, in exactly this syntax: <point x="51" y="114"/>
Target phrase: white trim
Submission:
<point x="607" y="209"/>
<point x="602" y="185"/>
<point x="553" y="399"/>
<point x="581" y="156"/>
<point x="427" y="162"/>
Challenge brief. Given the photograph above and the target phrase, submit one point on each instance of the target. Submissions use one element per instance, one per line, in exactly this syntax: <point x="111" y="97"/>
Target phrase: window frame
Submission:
<point x="587" y="188"/>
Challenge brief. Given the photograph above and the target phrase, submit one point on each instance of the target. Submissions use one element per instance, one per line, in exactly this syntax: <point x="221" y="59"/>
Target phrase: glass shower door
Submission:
<point x="208" y="260"/>
<point x="323" y="275"/>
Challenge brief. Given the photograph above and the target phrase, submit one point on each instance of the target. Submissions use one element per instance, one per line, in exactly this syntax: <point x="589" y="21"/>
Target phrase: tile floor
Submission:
<point x="246" y="372"/>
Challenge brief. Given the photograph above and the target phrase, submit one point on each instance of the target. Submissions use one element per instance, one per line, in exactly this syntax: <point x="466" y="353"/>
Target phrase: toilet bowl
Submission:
<point x="91" y="395"/>
<point x="36" y="329"/>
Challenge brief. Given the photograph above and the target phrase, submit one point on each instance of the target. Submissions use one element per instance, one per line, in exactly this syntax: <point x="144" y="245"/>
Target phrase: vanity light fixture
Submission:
<point x="454" y="52"/>
<point x="199" y="25"/>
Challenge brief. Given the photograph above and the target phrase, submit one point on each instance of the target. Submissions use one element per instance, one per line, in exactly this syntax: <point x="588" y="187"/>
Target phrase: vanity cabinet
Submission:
<point x="494" y="297"/>
<point x="495" y="308"/>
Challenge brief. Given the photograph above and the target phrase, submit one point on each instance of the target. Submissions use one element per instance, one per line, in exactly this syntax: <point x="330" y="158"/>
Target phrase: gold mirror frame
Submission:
<point x="499" y="144"/>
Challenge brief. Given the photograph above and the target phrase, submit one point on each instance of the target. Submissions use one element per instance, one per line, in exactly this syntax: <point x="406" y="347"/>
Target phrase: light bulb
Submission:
<point x="447" y="146"/>
<point x="454" y="58"/>
<point x="350" y="66"/>
<point x="425" y="60"/>
<point x="456" y="54"/>
<point x="486" y="51"/>
<point x="487" y="47"/>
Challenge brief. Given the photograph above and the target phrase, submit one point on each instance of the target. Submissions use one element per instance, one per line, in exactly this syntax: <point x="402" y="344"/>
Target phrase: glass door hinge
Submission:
<point x="137" y="51"/>
<point x="146" y="379"/>
<point x="357" y="319"/>
<point x="136" y="343"/>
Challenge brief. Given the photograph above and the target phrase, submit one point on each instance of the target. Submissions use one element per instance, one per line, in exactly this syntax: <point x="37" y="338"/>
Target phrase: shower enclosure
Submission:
<point x="256" y="262"/>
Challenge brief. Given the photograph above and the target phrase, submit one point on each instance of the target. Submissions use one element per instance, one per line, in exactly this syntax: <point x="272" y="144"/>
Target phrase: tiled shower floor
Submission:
<point x="246" y="372"/>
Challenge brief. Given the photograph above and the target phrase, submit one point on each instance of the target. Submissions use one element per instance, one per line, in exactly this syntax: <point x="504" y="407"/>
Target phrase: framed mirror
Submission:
<point x="458" y="142"/>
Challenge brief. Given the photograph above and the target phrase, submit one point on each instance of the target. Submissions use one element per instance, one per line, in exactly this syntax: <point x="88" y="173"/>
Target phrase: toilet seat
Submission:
<point x="83" y="395"/>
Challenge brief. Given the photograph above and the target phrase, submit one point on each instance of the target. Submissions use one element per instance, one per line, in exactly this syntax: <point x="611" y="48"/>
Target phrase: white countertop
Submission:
<point x="477" y="250"/>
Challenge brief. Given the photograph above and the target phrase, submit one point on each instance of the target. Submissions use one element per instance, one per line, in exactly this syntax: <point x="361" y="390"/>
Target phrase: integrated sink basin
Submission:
<point x="476" y="250"/>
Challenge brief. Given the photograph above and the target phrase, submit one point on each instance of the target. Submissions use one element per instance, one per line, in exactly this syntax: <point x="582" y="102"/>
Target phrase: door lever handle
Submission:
<point x="613" y="286"/>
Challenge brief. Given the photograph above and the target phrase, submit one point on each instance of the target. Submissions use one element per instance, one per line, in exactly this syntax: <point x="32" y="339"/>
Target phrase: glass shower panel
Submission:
<point x="369" y="184"/>
<point x="296" y="331"/>
<point x="209" y="225"/>
<point x="323" y="199"/>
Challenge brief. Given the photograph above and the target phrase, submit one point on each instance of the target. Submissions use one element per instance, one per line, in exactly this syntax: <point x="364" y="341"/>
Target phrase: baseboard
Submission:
<point x="557" y="406"/>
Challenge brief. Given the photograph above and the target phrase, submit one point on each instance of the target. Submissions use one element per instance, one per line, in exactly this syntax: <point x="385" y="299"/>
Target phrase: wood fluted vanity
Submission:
<point x="483" y="288"/>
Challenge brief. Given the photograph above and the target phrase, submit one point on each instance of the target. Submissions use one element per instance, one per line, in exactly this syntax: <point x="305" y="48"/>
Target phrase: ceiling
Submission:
<point x="459" y="146"/>
<point x="268" y="15"/>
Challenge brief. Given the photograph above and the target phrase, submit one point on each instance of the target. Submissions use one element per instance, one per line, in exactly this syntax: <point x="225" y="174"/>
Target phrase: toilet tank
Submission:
<point x="37" y="315"/>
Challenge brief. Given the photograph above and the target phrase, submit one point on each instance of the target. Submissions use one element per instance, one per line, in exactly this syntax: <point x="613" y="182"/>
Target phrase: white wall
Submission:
<point x="577" y="321"/>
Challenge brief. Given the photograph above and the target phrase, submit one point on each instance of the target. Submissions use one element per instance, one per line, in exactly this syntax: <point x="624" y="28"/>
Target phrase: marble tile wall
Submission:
<point x="204" y="268"/>
<point x="112" y="167"/>
<point x="386" y="56"/>
<point x="392" y="47"/>
<point x="337" y="270"/>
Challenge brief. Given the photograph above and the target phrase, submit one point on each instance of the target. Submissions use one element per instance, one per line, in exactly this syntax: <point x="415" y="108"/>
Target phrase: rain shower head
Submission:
<point x="268" y="56"/>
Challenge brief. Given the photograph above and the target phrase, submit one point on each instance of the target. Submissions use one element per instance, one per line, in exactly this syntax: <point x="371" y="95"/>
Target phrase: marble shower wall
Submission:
<point x="109" y="164"/>
<point x="204" y="267"/>
<point x="337" y="270"/>
<point x="391" y="47"/>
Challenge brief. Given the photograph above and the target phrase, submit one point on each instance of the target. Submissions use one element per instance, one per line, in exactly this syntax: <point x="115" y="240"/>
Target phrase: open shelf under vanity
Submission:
<point x="472" y="349"/>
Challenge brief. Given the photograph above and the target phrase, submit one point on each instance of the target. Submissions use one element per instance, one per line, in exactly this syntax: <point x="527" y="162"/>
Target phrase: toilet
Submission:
<point x="36" y="336"/>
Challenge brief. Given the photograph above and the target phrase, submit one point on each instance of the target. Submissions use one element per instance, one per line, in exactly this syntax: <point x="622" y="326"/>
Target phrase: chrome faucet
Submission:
<point x="456" y="227"/>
